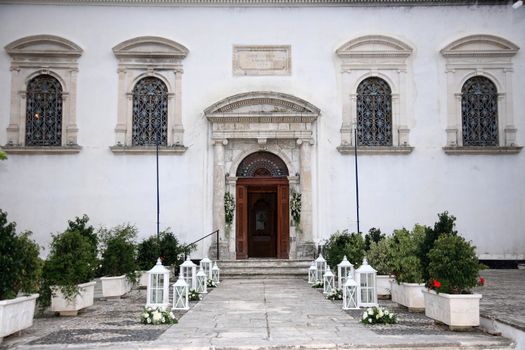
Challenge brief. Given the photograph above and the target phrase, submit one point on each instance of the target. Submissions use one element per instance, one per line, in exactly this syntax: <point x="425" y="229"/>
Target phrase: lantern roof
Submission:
<point x="365" y="268"/>
<point x="320" y="258"/>
<point x="350" y="282"/>
<point x="206" y="260"/>
<point x="328" y="272"/>
<point x="345" y="263"/>
<point x="159" y="268"/>
<point x="181" y="282"/>
<point x="188" y="263"/>
<point x="312" y="267"/>
<point x="201" y="272"/>
<point x="215" y="267"/>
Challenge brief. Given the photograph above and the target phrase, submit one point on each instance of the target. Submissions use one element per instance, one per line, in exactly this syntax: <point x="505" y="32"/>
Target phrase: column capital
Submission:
<point x="221" y="142"/>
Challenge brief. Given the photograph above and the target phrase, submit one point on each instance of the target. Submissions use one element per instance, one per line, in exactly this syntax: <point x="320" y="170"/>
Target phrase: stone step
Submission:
<point x="264" y="263"/>
<point x="264" y="268"/>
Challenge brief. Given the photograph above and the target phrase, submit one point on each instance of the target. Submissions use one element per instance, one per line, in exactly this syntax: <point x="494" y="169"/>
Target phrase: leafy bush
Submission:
<point x="453" y="264"/>
<point x="119" y="251"/>
<point x="80" y="225"/>
<point x="3" y="155"/>
<point x="171" y="251"/>
<point x="405" y="259"/>
<point x="343" y="243"/>
<point x="71" y="261"/>
<point x="380" y="256"/>
<point x="21" y="266"/>
<point x="444" y="226"/>
<point x="373" y="235"/>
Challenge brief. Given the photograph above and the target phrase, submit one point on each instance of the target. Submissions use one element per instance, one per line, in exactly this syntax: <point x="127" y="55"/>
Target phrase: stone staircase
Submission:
<point x="264" y="268"/>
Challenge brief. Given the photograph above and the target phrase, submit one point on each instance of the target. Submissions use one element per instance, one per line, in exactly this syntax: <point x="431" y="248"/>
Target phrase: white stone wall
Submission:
<point x="485" y="192"/>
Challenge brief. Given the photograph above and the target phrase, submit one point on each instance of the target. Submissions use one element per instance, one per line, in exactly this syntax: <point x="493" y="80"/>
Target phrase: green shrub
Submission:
<point x="3" y="155"/>
<point x="119" y="251"/>
<point x="343" y="243"/>
<point x="20" y="265"/>
<point x="444" y="226"/>
<point x="380" y="256"/>
<point x="405" y="259"/>
<point x="80" y="225"/>
<point x="171" y="251"/>
<point x="454" y="264"/>
<point x="373" y="235"/>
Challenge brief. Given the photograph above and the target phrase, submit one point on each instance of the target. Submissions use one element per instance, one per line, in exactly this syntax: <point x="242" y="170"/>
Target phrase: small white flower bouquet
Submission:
<point x="335" y="294"/>
<point x="157" y="316"/>
<point x="376" y="314"/>
<point x="211" y="284"/>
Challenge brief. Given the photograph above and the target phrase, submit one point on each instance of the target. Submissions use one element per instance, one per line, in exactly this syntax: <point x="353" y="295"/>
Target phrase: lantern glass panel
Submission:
<point x="349" y="297"/>
<point x="180" y="297"/>
<point x="157" y="289"/>
<point x="215" y="276"/>
<point x="312" y="274"/>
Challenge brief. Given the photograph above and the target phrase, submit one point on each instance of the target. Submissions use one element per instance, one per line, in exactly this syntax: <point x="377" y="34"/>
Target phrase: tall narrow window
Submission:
<point x="150" y="113"/>
<point x="44" y="111"/>
<point x="374" y="113"/>
<point x="479" y="112"/>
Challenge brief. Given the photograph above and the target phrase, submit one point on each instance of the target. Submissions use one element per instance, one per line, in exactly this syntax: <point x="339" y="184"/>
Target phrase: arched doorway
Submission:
<point x="262" y="227"/>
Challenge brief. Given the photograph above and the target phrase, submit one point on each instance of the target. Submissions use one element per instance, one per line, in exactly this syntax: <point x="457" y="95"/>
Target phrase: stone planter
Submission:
<point x="383" y="284"/>
<point x="115" y="286"/>
<point x="409" y="295"/>
<point x="70" y="307"/>
<point x="16" y="314"/>
<point x="458" y="311"/>
<point x="142" y="279"/>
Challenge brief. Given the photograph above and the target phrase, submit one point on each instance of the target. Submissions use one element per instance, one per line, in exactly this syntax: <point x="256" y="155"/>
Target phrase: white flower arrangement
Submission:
<point x="376" y="314"/>
<point x="193" y="295"/>
<point x="211" y="284"/>
<point x="229" y="207"/>
<point x="335" y="294"/>
<point x="156" y="316"/>
<point x="295" y="207"/>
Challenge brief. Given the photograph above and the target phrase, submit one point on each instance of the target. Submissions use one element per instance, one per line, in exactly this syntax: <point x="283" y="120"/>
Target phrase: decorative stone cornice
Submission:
<point x="480" y="46"/>
<point x="43" y="46"/>
<point x="373" y="46"/>
<point x="248" y="3"/>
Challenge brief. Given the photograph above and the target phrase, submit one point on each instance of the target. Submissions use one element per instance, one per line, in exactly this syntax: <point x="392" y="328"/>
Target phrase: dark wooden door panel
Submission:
<point x="283" y="221"/>
<point x="262" y="224"/>
<point x="242" y="223"/>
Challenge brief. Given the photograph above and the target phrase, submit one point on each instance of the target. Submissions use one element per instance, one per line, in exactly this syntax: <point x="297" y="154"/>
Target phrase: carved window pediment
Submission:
<point x="43" y="46"/>
<point x="371" y="46"/>
<point x="150" y="47"/>
<point x="480" y="46"/>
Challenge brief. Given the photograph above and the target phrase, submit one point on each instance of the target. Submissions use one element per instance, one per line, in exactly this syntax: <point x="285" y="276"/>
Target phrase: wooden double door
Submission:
<point x="262" y="218"/>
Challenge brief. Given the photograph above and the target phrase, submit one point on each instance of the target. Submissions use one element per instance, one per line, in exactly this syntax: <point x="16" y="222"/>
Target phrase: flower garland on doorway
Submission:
<point x="229" y="207"/>
<point x="295" y="207"/>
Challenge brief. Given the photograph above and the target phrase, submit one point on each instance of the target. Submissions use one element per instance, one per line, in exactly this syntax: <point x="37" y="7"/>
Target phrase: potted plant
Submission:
<point x="454" y="270"/>
<point x="167" y="246"/>
<point x="344" y="243"/>
<point x="118" y="260"/>
<point x="407" y="290"/>
<point x="380" y="257"/>
<point x="21" y="268"/>
<point x="70" y="269"/>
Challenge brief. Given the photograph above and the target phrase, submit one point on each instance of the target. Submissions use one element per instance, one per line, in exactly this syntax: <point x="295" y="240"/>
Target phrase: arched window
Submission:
<point x="374" y="113"/>
<point x="262" y="164"/>
<point x="479" y="112"/>
<point x="150" y="112"/>
<point x="44" y="111"/>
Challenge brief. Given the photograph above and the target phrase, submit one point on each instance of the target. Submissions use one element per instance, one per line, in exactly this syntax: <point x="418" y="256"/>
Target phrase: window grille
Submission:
<point x="150" y="113"/>
<point x="374" y="113"/>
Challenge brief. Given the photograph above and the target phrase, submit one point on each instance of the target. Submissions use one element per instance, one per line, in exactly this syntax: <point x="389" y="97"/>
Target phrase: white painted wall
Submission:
<point x="486" y="193"/>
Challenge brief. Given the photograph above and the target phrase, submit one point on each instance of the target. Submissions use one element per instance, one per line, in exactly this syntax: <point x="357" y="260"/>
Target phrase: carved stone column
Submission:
<point x="306" y="247"/>
<point x="219" y="186"/>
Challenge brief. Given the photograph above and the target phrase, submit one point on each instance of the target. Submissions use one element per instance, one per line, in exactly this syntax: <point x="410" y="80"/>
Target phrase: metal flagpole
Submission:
<point x="158" y="201"/>
<point x="356" y="179"/>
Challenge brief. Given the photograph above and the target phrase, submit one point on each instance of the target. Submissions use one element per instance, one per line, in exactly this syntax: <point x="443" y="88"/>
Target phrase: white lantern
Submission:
<point x="365" y="277"/>
<point x="350" y="289"/>
<point x="158" y="288"/>
<point x="202" y="280"/>
<point x="206" y="266"/>
<point x="320" y="264"/>
<point x="343" y="269"/>
<point x="180" y="294"/>
<point x="188" y="270"/>
<point x="312" y="273"/>
<point x="328" y="281"/>
<point x="215" y="273"/>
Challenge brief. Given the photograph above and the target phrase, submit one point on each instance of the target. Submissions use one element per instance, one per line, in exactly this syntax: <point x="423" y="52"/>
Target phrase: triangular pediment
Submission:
<point x="374" y="46"/>
<point x="480" y="45"/>
<point x="150" y="46"/>
<point x="261" y="104"/>
<point x="43" y="45"/>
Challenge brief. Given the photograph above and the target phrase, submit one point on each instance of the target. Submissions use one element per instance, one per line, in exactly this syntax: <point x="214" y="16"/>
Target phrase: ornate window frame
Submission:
<point x="149" y="56"/>
<point x="36" y="55"/>
<point x="488" y="56"/>
<point x="386" y="58"/>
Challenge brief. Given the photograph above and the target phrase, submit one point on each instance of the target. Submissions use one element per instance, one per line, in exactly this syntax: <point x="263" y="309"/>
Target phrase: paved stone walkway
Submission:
<point x="261" y="314"/>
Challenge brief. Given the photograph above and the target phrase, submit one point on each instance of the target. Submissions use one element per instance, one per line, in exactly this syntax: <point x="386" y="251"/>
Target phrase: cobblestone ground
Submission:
<point x="504" y="296"/>
<point x="107" y="321"/>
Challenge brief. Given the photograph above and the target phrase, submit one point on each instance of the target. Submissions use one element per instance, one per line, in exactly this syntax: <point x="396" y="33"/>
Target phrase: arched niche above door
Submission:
<point x="260" y="164"/>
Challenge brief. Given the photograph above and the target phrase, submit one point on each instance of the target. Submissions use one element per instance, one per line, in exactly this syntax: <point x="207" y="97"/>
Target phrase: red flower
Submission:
<point x="481" y="281"/>
<point x="437" y="284"/>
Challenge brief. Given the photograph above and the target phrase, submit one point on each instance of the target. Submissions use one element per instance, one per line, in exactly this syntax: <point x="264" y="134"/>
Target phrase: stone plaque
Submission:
<point x="262" y="60"/>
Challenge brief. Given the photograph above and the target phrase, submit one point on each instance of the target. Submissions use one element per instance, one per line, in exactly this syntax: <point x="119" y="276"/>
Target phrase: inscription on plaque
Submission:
<point x="262" y="60"/>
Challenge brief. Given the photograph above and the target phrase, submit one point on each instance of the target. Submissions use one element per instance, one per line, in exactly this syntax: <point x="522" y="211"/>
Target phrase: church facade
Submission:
<point x="261" y="104"/>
